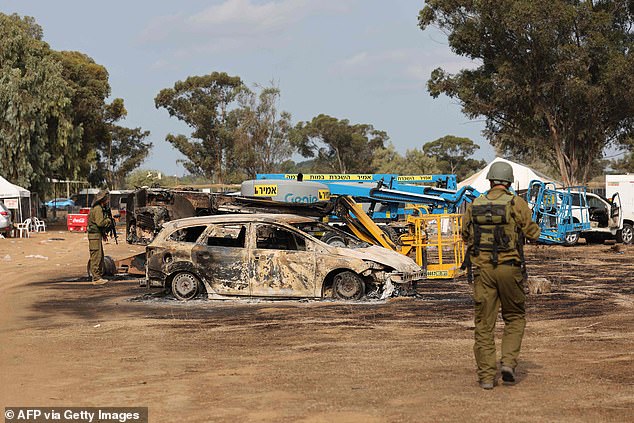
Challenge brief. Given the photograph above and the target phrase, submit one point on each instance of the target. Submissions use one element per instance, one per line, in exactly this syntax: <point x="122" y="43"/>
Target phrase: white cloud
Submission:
<point x="242" y="16"/>
<point x="237" y="22"/>
<point x="413" y="65"/>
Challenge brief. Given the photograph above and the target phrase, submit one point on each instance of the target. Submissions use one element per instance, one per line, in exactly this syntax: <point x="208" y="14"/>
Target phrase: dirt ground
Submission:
<point x="64" y="342"/>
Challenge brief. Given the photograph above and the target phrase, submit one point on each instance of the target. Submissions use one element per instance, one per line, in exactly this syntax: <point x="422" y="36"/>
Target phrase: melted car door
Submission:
<point x="283" y="263"/>
<point x="222" y="259"/>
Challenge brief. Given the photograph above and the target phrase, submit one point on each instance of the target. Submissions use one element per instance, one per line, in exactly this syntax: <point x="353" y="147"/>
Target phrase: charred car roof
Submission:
<point x="230" y="218"/>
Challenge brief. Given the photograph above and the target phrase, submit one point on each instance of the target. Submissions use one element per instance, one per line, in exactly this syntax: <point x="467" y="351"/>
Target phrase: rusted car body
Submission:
<point x="149" y="208"/>
<point x="272" y="255"/>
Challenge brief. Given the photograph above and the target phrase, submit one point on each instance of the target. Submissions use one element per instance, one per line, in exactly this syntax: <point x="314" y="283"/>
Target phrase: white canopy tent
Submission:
<point x="523" y="176"/>
<point x="15" y="198"/>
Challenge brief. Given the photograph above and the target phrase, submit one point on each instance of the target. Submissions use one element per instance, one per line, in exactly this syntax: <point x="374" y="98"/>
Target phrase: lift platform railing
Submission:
<point x="560" y="212"/>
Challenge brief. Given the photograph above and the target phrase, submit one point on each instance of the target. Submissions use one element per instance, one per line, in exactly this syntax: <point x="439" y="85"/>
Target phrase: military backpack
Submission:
<point x="494" y="227"/>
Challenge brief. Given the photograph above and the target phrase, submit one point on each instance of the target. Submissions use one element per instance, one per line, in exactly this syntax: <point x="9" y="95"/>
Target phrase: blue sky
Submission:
<point x="362" y="60"/>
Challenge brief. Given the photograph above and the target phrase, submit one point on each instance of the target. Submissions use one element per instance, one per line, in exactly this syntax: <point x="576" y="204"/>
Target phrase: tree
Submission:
<point x="37" y="137"/>
<point x="452" y="154"/>
<point x="107" y="151"/>
<point x="147" y="178"/>
<point x="262" y="136"/>
<point x="89" y="82"/>
<point x="54" y="120"/>
<point x="337" y="145"/>
<point x="554" y="80"/>
<point x="203" y="103"/>
<point x="626" y="163"/>
<point x="415" y="162"/>
<point x="128" y="150"/>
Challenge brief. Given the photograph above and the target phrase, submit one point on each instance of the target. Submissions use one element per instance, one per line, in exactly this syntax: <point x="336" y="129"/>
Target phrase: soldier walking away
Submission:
<point x="494" y="228"/>
<point x="98" y="224"/>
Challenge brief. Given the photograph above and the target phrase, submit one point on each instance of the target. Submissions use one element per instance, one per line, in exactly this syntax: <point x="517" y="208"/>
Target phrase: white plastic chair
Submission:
<point x="24" y="228"/>
<point x="39" y="225"/>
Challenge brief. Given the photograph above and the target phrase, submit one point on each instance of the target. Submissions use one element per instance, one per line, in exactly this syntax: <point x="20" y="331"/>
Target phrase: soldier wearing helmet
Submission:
<point x="98" y="223"/>
<point x="494" y="228"/>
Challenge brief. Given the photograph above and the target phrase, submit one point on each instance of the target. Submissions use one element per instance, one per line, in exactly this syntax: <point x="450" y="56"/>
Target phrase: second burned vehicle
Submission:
<point x="149" y="208"/>
<point x="281" y="255"/>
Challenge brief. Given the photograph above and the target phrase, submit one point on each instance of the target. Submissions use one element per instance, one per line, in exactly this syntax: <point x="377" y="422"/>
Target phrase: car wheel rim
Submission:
<point x="347" y="287"/>
<point x="628" y="233"/>
<point x="185" y="286"/>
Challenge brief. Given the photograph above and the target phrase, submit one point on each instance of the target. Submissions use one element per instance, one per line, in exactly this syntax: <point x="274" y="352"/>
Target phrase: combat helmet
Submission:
<point x="501" y="171"/>
<point x="100" y="196"/>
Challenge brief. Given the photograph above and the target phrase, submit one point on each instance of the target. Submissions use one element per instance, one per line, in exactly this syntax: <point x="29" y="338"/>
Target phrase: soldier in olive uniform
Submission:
<point x="98" y="223"/>
<point x="494" y="228"/>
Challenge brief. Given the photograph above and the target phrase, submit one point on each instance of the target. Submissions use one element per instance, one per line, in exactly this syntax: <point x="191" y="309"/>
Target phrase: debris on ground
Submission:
<point x="616" y="248"/>
<point x="37" y="256"/>
<point x="539" y="285"/>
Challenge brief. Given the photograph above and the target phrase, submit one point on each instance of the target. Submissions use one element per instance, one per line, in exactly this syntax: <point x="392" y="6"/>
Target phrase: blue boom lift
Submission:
<point x="560" y="217"/>
<point x="387" y="194"/>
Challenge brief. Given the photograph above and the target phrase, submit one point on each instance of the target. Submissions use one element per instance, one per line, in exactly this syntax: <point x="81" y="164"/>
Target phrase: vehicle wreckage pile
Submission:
<point x="281" y="246"/>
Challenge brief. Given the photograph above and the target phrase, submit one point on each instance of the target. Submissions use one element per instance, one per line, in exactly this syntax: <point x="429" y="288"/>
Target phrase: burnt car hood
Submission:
<point x="383" y="256"/>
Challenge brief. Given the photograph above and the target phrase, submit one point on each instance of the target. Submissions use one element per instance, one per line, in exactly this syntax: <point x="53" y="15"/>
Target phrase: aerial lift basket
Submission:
<point x="441" y="248"/>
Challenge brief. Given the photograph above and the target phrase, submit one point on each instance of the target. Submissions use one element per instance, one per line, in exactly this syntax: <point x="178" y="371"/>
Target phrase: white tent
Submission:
<point x="523" y="176"/>
<point x="16" y="199"/>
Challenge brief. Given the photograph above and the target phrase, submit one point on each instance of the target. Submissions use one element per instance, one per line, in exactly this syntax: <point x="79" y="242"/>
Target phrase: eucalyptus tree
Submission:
<point x="337" y="145"/>
<point x="553" y="78"/>
<point x="453" y="155"/>
<point x="261" y="138"/>
<point x="37" y="136"/>
<point x="204" y="103"/>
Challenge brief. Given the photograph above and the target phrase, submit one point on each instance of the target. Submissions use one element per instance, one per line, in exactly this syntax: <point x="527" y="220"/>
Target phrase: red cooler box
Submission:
<point x="77" y="222"/>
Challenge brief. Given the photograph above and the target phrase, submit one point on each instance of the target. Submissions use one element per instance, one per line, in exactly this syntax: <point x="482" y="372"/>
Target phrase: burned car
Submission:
<point x="272" y="255"/>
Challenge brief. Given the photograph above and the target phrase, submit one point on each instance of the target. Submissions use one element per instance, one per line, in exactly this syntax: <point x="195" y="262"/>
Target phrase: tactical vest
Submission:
<point x="494" y="227"/>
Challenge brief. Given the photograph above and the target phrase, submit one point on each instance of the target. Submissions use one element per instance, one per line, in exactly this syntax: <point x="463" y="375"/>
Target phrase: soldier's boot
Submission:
<point x="486" y="385"/>
<point x="508" y="374"/>
<point x="101" y="281"/>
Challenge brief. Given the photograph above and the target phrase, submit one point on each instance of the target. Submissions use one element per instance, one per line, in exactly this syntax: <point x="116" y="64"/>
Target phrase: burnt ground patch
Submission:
<point x="587" y="282"/>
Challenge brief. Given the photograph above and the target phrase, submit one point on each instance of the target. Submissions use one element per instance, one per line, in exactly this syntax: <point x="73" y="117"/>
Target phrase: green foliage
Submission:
<point x="54" y="122"/>
<point x="128" y="150"/>
<point x="89" y="82"/>
<point x="203" y="103"/>
<point x="626" y="163"/>
<point x="37" y="137"/>
<point x="452" y="155"/>
<point x="415" y="162"/>
<point x="148" y="178"/>
<point x="554" y="77"/>
<point x="262" y="134"/>
<point x="336" y="145"/>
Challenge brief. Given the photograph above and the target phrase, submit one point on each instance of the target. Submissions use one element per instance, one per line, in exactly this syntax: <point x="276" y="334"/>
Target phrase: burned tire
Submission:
<point x="392" y="234"/>
<point x="109" y="268"/>
<point x="348" y="286"/>
<point x="332" y="238"/>
<point x="185" y="286"/>
<point x="625" y="235"/>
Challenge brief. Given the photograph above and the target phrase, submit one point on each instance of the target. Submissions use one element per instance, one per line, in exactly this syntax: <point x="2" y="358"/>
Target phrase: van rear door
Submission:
<point x="616" y="214"/>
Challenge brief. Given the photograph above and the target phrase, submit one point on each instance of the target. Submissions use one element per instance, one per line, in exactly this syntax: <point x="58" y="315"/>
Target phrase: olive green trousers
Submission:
<point x="494" y="286"/>
<point x="96" y="257"/>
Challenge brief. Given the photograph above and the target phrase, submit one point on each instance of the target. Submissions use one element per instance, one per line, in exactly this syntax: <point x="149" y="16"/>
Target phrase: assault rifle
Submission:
<point x="112" y="229"/>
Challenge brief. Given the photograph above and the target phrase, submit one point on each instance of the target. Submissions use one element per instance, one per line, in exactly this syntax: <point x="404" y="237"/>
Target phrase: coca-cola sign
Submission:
<point x="80" y="219"/>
